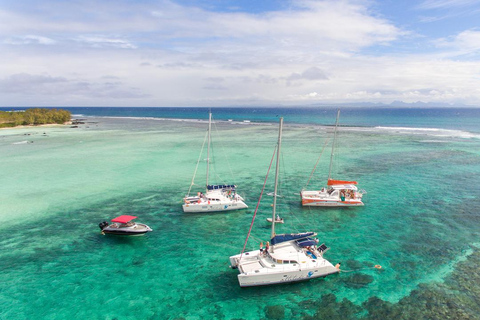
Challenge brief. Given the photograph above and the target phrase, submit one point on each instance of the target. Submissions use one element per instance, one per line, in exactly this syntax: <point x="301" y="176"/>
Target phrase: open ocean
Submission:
<point x="420" y="222"/>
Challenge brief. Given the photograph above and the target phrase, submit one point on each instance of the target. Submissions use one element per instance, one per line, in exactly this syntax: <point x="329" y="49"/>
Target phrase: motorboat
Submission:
<point x="124" y="226"/>
<point x="287" y="257"/>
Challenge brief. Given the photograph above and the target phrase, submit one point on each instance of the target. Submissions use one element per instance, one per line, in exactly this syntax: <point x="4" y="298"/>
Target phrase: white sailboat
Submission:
<point x="219" y="197"/>
<point x="287" y="258"/>
<point x="338" y="193"/>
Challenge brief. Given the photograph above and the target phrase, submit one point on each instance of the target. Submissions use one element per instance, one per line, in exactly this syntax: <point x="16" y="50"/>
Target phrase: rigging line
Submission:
<point x="196" y="167"/>
<point x="258" y="203"/>
<point x="318" y="160"/>
<point x="225" y="154"/>
<point x="285" y="182"/>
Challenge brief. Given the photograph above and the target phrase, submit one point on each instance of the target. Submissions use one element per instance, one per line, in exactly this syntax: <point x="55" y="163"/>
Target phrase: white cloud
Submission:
<point x="103" y="41"/>
<point x="311" y="74"/>
<point x="465" y="42"/>
<point x="164" y="54"/>
<point x="446" y="4"/>
<point x="30" y="39"/>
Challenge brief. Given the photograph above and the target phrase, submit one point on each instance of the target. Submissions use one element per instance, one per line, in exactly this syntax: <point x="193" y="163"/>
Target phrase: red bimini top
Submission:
<point x="332" y="182"/>
<point x="123" y="219"/>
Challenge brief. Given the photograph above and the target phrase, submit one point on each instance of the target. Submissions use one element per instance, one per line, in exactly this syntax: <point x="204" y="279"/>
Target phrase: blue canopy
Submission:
<point x="279" y="238"/>
<point x="221" y="186"/>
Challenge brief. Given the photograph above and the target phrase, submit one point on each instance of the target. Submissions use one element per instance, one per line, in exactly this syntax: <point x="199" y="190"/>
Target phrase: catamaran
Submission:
<point x="287" y="257"/>
<point x="220" y="197"/>
<point x="338" y="193"/>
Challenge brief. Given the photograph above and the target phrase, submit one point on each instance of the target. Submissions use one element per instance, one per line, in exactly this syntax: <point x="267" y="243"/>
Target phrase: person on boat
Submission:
<point x="267" y="246"/>
<point x="261" y="247"/>
<point x="338" y="266"/>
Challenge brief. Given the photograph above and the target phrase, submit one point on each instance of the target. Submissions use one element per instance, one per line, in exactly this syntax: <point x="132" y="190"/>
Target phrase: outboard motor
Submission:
<point x="103" y="225"/>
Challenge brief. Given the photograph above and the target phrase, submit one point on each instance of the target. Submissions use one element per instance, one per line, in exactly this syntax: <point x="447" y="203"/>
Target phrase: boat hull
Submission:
<point x="139" y="229"/>
<point x="255" y="271"/>
<point x="330" y="203"/>
<point x="205" y="206"/>
<point x="119" y="233"/>
<point x="284" y="277"/>
<point x="323" y="199"/>
<point x="214" y="201"/>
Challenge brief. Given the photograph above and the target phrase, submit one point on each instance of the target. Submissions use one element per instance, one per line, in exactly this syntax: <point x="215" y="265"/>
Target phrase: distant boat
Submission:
<point x="277" y="220"/>
<point x="216" y="197"/>
<point x="339" y="193"/>
<point x="123" y="226"/>
<point x="289" y="258"/>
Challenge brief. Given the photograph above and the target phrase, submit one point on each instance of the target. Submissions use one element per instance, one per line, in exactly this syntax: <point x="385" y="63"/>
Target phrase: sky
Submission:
<point x="168" y="53"/>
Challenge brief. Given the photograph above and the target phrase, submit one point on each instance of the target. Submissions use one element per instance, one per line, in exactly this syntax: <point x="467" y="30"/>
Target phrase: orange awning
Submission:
<point x="332" y="182"/>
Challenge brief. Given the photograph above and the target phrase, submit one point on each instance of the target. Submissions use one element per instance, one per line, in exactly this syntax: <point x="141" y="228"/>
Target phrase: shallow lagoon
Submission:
<point x="420" y="222"/>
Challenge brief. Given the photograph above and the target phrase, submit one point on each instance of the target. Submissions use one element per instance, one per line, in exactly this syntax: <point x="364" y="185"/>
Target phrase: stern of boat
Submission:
<point x="234" y="260"/>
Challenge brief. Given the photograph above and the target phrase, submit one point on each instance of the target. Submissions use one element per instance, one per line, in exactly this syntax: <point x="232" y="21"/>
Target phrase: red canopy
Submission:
<point x="123" y="219"/>
<point x="332" y="182"/>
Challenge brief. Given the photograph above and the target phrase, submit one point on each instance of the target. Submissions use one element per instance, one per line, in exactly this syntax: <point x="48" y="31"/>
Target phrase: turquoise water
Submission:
<point x="420" y="221"/>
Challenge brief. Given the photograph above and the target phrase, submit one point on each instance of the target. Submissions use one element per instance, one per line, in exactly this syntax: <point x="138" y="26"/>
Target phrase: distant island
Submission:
<point x="33" y="117"/>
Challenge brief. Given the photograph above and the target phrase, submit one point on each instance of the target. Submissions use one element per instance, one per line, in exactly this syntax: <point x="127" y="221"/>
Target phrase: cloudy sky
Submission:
<point x="238" y="52"/>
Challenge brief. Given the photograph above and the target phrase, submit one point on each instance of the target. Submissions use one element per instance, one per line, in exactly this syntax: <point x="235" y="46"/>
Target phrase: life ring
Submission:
<point x="377" y="266"/>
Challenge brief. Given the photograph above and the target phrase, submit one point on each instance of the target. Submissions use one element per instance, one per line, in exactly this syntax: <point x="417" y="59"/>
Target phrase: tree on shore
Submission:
<point x="34" y="116"/>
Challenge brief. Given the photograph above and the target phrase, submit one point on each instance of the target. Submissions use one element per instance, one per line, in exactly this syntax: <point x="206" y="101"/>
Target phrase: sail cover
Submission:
<point x="123" y="219"/>
<point x="332" y="182"/>
<point x="279" y="238"/>
<point x="307" y="242"/>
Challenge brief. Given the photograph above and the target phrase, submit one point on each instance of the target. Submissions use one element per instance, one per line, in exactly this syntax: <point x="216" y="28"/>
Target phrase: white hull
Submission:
<point x="134" y="230"/>
<point x="204" y="206"/>
<point x="324" y="198"/>
<point x="259" y="269"/>
<point x="213" y="202"/>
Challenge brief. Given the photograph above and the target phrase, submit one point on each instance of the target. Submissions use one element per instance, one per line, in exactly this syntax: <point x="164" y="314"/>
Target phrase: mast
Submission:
<point x="333" y="145"/>
<point x="279" y="144"/>
<point x="208" y="146"/>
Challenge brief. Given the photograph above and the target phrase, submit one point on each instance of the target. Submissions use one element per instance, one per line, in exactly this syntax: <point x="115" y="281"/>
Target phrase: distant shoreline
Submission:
<point x="36" y="125"/>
